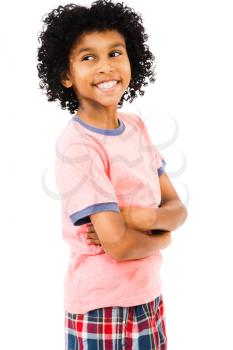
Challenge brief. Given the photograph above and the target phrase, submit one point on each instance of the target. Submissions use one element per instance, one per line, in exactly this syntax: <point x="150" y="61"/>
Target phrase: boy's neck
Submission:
<point x="107" y="119"/>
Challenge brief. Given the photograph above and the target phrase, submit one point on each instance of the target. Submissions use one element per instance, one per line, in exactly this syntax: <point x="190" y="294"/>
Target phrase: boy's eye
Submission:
<point x="117" y="52"/>
<point x="85" y="58"/>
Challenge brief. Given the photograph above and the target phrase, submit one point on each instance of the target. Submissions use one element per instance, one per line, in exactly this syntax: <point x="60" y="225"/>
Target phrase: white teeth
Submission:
<point x="107" y="85"/>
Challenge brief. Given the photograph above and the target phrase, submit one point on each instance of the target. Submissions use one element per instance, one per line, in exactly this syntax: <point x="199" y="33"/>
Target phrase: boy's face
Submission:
<point x="104" y="59"/>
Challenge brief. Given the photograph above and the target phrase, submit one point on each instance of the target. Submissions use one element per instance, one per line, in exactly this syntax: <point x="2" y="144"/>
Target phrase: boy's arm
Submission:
<point x="122" y="242"/>
<point x="169" y="216"/>
<point x="139" y="245"/>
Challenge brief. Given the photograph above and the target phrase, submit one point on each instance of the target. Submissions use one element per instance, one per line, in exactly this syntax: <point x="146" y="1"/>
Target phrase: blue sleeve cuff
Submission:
<point x="161" y="170"/>
<point x="82" y="217"/>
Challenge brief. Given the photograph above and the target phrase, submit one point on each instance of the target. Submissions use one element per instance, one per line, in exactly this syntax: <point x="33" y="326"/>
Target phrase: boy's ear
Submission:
<point x="66" y="83"/>
<point x="65" y="80"/>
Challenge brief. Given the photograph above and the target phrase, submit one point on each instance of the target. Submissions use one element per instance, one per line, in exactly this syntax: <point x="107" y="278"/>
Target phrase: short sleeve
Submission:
<point x="159" y="159"/>
<point x="83" y="183"/>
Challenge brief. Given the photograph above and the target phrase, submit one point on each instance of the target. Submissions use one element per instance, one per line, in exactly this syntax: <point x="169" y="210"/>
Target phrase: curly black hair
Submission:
<point x="65" y="24"/>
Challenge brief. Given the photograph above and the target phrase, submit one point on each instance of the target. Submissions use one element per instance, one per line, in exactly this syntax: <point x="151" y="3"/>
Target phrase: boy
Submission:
<point x="109" y="175"/>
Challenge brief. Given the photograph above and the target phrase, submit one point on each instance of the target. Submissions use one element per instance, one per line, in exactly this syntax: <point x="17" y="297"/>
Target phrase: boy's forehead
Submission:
<point x="97" y="38"/>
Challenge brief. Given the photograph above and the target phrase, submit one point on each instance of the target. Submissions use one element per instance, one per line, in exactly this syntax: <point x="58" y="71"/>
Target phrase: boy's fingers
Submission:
<point x="90" y="229"/>
<point x="92" y="237"/>
<point x="92" y="234"/>
<point x="93" y="241"/>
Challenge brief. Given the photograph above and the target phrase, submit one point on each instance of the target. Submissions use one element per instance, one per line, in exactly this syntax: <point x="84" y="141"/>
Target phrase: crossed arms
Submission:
<point x="129" y="239"/>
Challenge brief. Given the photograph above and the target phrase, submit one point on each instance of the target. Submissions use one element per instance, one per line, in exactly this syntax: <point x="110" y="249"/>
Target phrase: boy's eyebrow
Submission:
<point x="92" y="49"/>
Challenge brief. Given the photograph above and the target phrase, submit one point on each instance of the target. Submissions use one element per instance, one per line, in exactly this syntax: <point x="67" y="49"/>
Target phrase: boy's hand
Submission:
<point x="91" y="235"/>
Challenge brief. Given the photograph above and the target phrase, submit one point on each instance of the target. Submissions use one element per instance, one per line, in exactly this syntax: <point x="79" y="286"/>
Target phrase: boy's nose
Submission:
<point x="105" y="67"/>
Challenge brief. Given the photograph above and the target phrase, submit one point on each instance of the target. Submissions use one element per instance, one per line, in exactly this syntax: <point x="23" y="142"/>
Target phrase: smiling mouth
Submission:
<point x="106" y="87"/>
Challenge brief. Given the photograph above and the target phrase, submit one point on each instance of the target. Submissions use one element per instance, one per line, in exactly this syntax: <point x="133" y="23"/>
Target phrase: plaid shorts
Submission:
<point x="140" y="327"/>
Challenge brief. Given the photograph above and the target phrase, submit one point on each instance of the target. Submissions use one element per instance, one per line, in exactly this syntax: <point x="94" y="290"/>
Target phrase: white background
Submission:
<point x="192" y="42"/>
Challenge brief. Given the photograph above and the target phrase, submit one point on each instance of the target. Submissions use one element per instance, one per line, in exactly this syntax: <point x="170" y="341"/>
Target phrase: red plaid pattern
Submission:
<point x="140" y="327"/>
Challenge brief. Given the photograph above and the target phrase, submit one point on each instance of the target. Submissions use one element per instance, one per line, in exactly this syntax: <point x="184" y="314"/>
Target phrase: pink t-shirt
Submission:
<point x="101" y="170"/>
